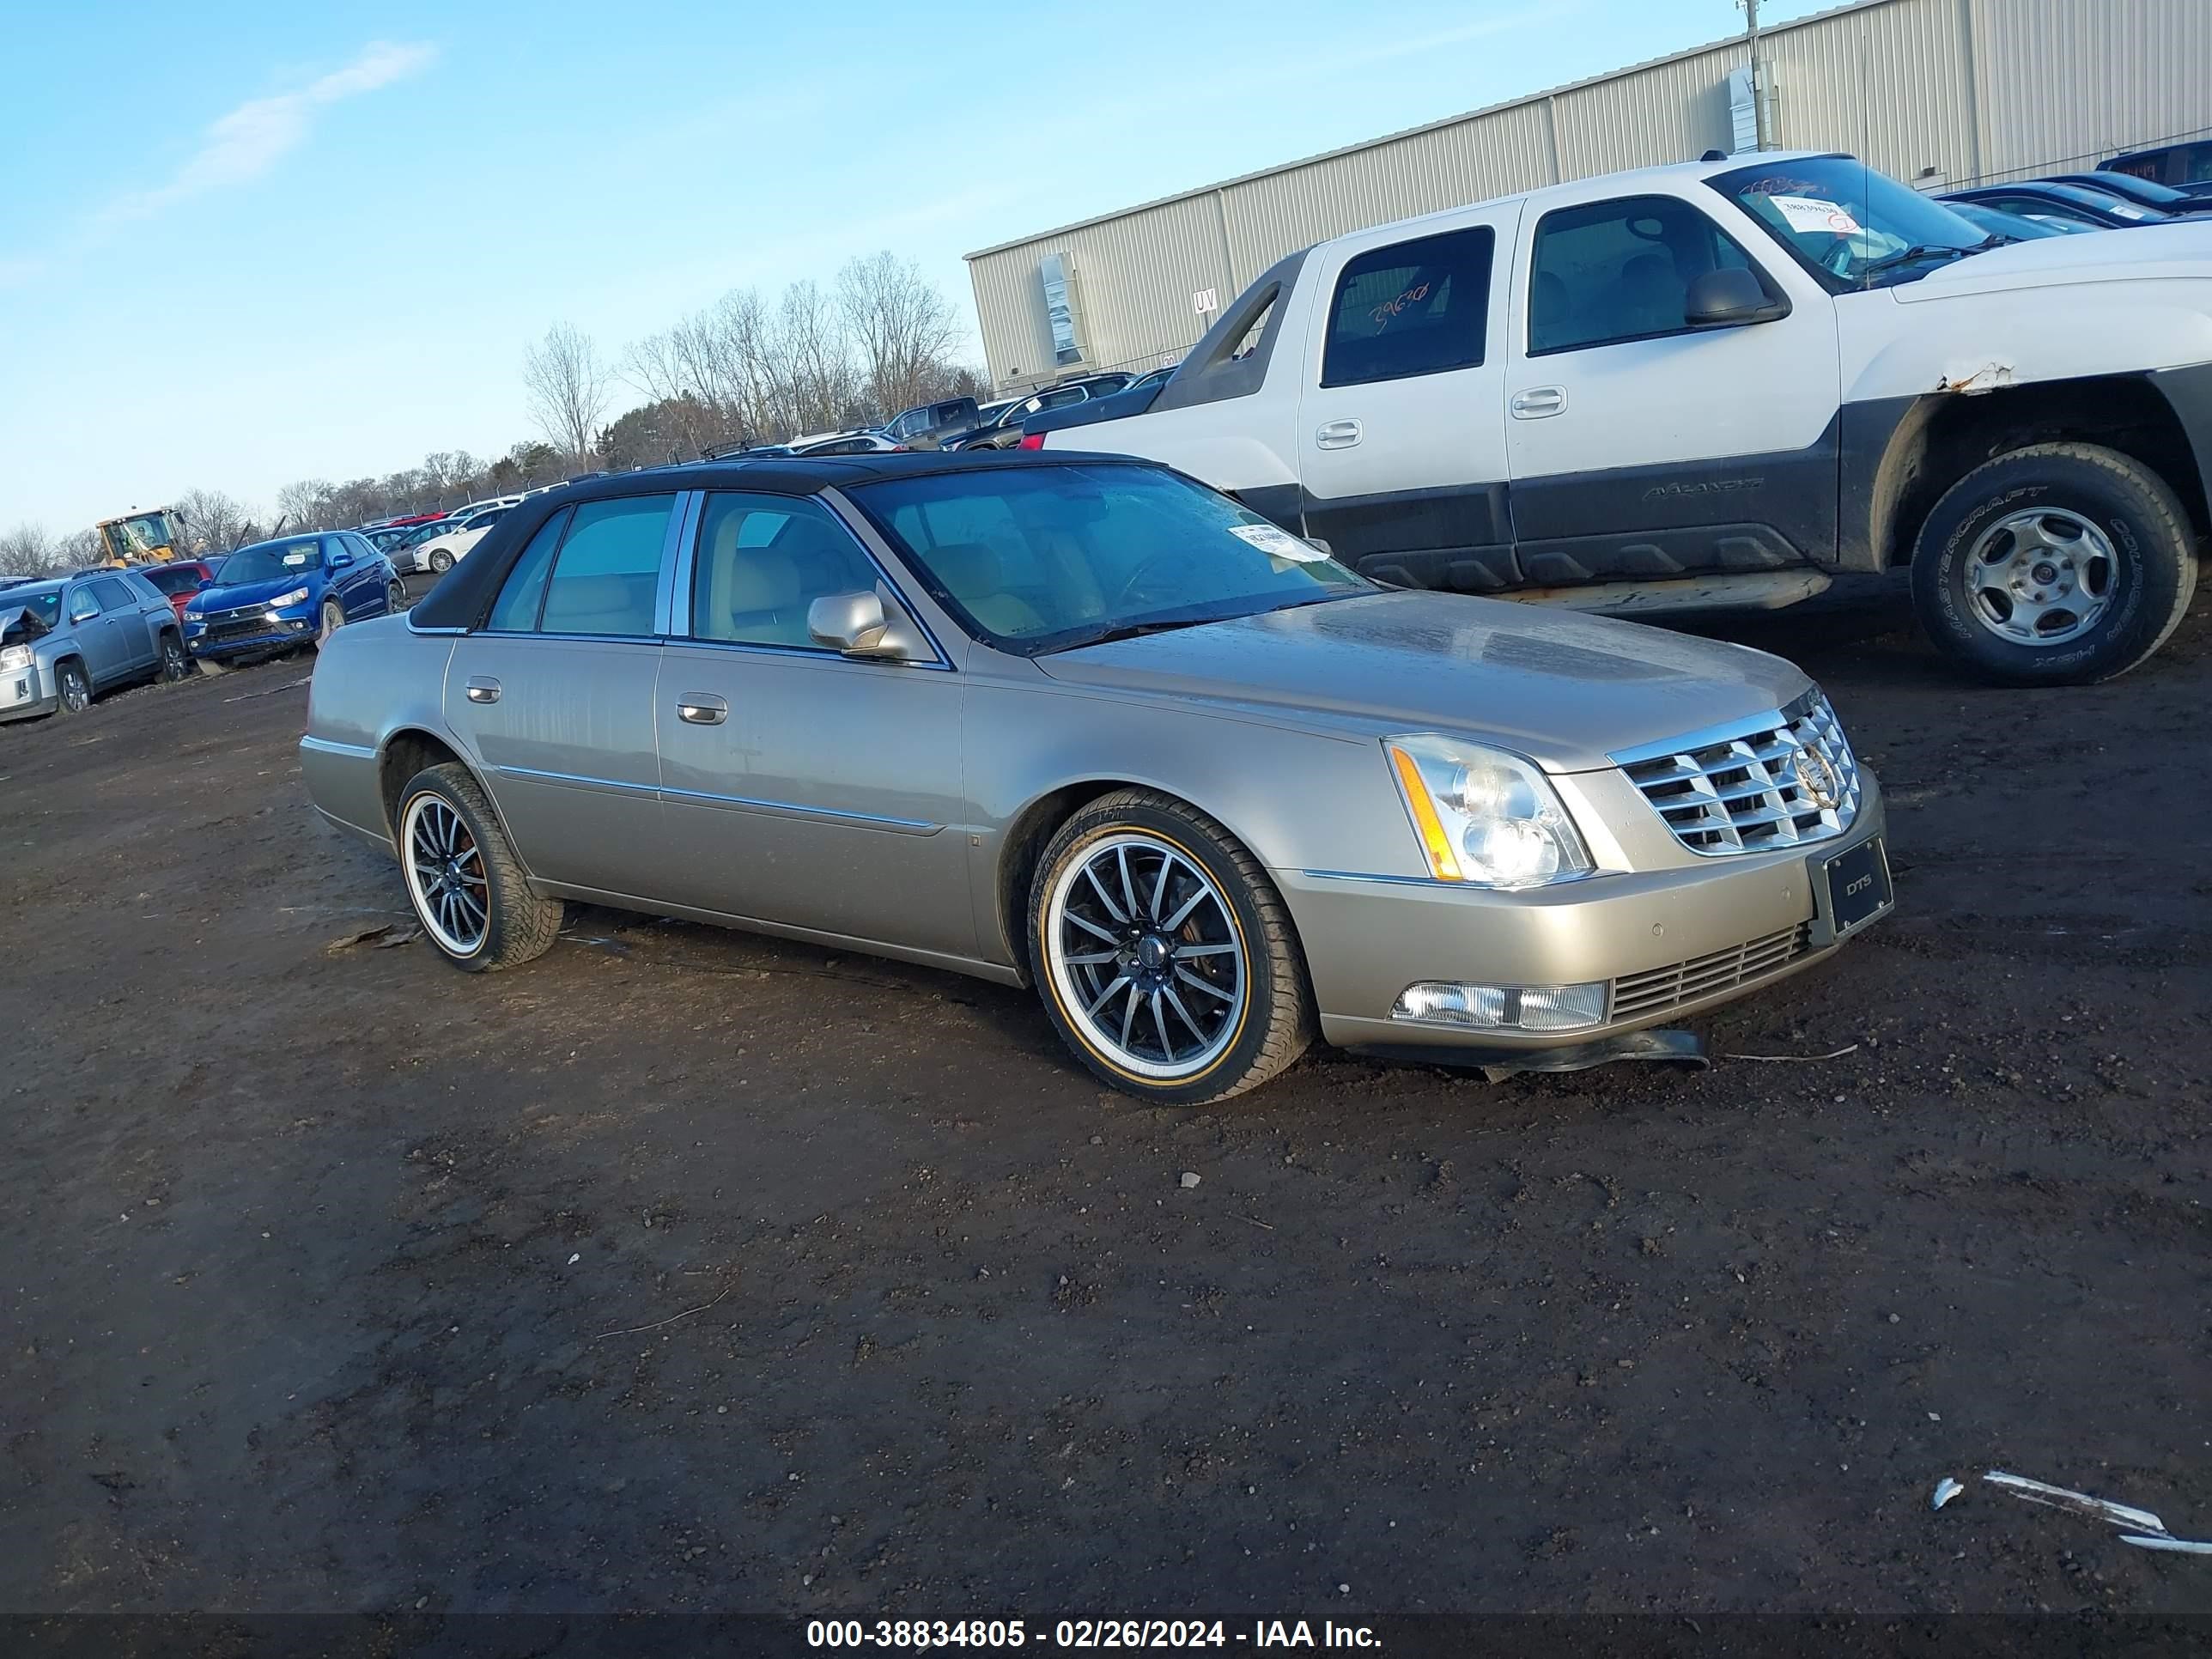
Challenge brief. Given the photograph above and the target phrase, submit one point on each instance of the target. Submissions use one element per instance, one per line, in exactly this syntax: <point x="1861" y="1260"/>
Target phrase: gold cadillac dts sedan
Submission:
<point x="1080" y="723"/>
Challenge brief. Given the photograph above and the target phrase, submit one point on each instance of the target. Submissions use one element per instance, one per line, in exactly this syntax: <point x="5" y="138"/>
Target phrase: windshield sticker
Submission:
<point x="2121" y="209"/>
<point x="1277" y="543"/>
<point x="1810" y="213"/>
<point x="294" y="561"/>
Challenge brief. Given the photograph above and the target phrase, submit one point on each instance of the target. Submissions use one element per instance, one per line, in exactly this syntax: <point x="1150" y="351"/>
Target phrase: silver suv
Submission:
<point x="64" y="642"/>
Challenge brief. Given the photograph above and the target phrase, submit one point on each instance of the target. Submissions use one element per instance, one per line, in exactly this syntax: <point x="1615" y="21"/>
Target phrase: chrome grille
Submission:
<point x="1657" y="989"/>
<point x="1782" y="781"/>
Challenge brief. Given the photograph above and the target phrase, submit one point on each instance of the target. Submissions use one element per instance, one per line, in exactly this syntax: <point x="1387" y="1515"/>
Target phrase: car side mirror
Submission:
<point x="862" y="625"/>
<point x="340" y="561"/>
<point x="206" y="582"/>
<point x="83" y="613"/>
<point x="1730" y="297"/>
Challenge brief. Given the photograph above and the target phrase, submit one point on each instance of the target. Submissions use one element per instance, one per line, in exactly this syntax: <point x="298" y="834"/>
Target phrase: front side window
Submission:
<point x="522" y="596"/>
<point x="2191" y="165"/>
<point x="1848" y="225"/>
<point x="1410" y="308"/>
<point x="607" y="568"/>
<point x="1620" y="270"/>
<point x="1044" y="559"/>
<point x="762" y="561"/>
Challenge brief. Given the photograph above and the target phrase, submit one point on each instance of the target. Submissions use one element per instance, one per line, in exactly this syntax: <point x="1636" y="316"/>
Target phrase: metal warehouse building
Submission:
<point x="1936" y="92"/>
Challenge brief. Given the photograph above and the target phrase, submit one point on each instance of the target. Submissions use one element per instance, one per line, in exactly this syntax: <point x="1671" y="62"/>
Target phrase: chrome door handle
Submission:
<point x="482" y="689"/>
<point x="1539" y="401"/>
<point x="701" y="708"/>
<point x="1338" y="435"/>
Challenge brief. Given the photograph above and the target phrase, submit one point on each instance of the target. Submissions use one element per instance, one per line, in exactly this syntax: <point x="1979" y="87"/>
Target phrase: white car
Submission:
<point x="441" y="553"/>
<point x="1718" y="385"/>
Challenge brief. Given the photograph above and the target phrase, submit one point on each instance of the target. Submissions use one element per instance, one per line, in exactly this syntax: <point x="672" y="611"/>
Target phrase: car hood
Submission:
<point x="1566" y="690"/>
<point x="229" y="599"/>
<point x="2181" y="249"/>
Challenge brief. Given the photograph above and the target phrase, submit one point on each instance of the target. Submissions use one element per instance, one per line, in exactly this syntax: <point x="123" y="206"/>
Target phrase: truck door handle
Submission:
<point x="1539" y="401"/>
<point x="482" y="689"/>
<point x="1338" y="435"/>
<point x="701" y="708"/>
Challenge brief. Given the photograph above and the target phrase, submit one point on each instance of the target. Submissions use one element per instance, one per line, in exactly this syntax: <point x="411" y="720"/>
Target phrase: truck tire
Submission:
<point x="72" y="687"/>
<point x="2060" y="564"/>
<point x="1164" y="954"/>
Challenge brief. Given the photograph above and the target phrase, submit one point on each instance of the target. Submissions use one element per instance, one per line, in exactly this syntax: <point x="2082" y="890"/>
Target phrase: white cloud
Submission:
<point x="252" y="138"/>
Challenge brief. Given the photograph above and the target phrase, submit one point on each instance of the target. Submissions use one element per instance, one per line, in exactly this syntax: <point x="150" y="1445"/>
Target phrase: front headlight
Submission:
<point x="297" y="596"/>
<point x="15" y="656"/>
<point x="1484" y="816"/>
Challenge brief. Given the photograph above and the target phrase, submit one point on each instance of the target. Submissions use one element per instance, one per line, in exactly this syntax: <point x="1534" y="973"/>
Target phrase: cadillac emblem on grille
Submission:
<point x="1817" y="778"/>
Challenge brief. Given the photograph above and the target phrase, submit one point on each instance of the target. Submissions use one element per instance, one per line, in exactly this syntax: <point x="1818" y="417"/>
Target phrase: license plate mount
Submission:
<point x="1850" y="889"/>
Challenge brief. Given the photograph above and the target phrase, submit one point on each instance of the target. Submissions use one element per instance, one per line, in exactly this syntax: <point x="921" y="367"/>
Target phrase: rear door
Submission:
<point x="126" y="644"/>
<point x="1401" y="427"/>
<point x="1643" y="449"/>
<point x="555" y="695"/>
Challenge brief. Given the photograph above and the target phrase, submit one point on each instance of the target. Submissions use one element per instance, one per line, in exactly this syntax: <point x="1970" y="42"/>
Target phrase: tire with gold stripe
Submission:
<point x="1164" y="954"/>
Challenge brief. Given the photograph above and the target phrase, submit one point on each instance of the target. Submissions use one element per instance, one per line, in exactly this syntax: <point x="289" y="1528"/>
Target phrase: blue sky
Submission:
<point x="241" y="244"/>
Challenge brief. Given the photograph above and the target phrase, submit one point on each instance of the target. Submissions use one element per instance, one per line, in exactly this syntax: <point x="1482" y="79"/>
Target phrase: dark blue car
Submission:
<point x="275" y="595"/>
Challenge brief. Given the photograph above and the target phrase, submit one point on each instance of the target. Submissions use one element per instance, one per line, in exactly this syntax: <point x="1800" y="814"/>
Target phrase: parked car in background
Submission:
<point x="179" y="580"/>
<point x="849" y="443"/>
<point x="2011" y="227"/>
<point x="2185" y="167"/>
<point x="2079" y="204"/>
<point x="1716" y="385"/>
<point x="449" y="541"/>
<point x="1003" y="430"/>
<point x="1087" y="725"/>
<point x="2141" y="192"/>
<point x="941" y="416"/>
<point x="1146" y="381"/>
<point x="401" y="553"/>
<point x="63" y="643"/>
<point x="388" y="539"/>
<point x="298" y="590"/>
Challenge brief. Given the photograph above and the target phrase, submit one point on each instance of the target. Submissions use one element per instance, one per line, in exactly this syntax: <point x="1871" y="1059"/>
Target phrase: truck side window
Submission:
<point x="1619" y="271"/>
<point x="1416" y="307"/>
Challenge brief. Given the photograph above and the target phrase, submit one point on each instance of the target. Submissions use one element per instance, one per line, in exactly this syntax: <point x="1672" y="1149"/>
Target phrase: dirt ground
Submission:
<point x="683" y="1270"/>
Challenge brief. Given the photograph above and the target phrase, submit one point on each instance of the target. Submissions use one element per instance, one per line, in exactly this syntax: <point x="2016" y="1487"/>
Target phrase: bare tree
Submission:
<point x="214" y="522"/>
<point x="568" y="387"/>
<point x="819" y="383"/>
<point x="902" y="326"/>
<point x="29" y="551"/>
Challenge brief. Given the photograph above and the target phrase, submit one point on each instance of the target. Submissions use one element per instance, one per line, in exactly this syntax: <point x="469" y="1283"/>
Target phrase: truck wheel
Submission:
<point x="174" y="664"/>
<point x="73" y="688"/>
<point x="1164" y="955"/>
<point x="2062" y="564"/>
<point x="467" y="888"/>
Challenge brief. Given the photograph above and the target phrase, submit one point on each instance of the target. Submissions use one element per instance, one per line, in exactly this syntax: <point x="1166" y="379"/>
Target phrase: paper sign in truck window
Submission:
<point x="1277" y="543"/>
<point x="1810" y="213"/>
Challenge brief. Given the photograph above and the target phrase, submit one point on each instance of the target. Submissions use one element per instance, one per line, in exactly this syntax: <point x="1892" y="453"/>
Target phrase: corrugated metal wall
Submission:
<point x="1933" y="91"/>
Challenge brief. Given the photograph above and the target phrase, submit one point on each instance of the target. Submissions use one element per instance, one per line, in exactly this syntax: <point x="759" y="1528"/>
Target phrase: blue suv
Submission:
<point x="275" y="595"/>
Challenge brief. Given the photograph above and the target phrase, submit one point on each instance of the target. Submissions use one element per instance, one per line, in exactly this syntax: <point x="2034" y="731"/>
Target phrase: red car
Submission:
<point x="179" y="580"/>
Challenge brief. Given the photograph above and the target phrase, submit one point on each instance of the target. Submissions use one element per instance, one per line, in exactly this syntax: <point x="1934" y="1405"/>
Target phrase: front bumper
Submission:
<point x="1669" y="943"/>
<point x="277" y="631"/>
<point x="25" y="694"/>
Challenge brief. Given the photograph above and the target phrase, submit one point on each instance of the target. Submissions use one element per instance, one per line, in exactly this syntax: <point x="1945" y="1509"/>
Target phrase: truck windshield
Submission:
<point x="1850" y="225"/>
<point x="1037" y="559"/>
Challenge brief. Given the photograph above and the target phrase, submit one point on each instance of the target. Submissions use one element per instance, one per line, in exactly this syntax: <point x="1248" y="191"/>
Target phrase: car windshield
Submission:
<point x="44" y="604"/>
<point x="1852" y="225"/>
<point x="1041" y="559"/>
<point x="269" y="562"/>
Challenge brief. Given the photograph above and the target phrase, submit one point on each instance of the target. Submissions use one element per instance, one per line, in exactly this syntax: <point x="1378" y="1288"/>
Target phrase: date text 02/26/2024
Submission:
<point x="1085" y="1633"/>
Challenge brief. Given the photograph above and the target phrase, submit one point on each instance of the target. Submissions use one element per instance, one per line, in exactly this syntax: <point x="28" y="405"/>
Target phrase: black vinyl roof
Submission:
<point x="464" y="595"/>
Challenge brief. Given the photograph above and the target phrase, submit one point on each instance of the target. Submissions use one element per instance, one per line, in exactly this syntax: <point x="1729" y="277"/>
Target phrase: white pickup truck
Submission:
<point x="1717" y="384"/>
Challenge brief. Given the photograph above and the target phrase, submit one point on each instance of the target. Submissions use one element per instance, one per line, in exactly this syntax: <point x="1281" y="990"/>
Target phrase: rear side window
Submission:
<point x="111" y="593"/>
<point x="1620" y="270"/>
<point x="1415" y="307"/>
<point x="607" y="568"/>
<point x="524" y="593"/>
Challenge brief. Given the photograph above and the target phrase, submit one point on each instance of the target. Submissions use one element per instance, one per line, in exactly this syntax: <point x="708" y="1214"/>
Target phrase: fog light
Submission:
<point x="1503" y="1007"/>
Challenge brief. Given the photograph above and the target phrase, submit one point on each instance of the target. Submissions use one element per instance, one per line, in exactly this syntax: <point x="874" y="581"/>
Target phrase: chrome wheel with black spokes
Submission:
<point x="1145" y="950"/>
<point x="468" y="889"/>
<point x="445" y="876"/>
<point x="1164" y="955"/>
